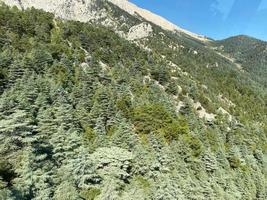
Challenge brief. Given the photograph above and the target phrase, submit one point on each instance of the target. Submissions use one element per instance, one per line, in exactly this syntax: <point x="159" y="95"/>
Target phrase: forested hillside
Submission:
<point x="86" y="114"/>
<point x="250" y="53"/>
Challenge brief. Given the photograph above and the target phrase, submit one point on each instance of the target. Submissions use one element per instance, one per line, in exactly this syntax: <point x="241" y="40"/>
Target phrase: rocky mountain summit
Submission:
<point x="92" y="10"/>
<point x="153" y="18"/>
<point x="80" y="10"/>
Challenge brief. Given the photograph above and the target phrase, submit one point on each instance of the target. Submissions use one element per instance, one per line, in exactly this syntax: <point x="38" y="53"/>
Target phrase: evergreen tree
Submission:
<point x="124" y="136"/>
<point x="103" y="110"/>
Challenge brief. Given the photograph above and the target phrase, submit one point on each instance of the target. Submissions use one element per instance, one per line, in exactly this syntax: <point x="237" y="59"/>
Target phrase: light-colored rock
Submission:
<point x="180" y="89"/>
<point x="84" y="66"/>
<point x="226" y="101"/>
<point x="179" y="106"/>
<point x="140" y="31"/>
<point x="205" y="87"/>
<point x="224" y="112"/>
<point x="146" y="79"/>
<point x="12" y="3"/>
<point x="160" y="86"/>
<point x="185" y="73"/>
<point x="86" y="10"/>
<point x="232" y="60"/>
<point x="79" y="10"/>
<point x="151" y="17"/>
<point x="202" y="113"/>
<point x="103" y="66"/>
<point x="174" y="78"/>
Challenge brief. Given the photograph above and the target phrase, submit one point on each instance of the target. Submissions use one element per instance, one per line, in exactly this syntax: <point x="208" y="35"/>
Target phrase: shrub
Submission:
<point x="144" y="183"/>
<point x="161" y="74"/>
<point x="89" y="134"/>
<point x="90" y="194"/>
<point x="193" y="143"/>
<point x="124" y="105"/>
<point x="150" y="117"/>
<point x="234" y="162"/>
<point x="174" y="129"/>
<point x="155" y="118"/>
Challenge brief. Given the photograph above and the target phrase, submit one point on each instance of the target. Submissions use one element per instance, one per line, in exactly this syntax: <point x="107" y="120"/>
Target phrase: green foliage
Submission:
<point x="89" y="134"/>
<point x="194" y="144"/>
<point x="173" y="130"/>
<point x="154" y="118"/>
<point x="90" y="194"/>
<point x="234" y="162"/>
<point x="124" y="104"/>
<point x="206" y="103"/>
<point x="172" y="88"/>
<point x="161" y="74"/>
<point x="142" y="182"/>
<point x="150" y="117"/>
<point x="7" y="173"/>
<point x="87" y="114"/>
<point x="249" y="52"/>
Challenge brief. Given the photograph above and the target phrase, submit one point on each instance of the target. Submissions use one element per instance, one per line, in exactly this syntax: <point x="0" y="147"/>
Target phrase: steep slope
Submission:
<point x="87" y="114"/>
<point x="151" y="17"/>
<point x="83" y="11"/>
<point x="88" y="10"/>
<point x="249" y="52"/>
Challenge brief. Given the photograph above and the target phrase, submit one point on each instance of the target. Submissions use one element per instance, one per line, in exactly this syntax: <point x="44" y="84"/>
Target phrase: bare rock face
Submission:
<point x="88" y="10"/>
<point x="151" y="17"/>
<point x="11" y="2"/>
<point x="79" y="10"/>
<point x="203" y="113"/>
<point x="133" y="10"/>
<point x="140" y="31"/>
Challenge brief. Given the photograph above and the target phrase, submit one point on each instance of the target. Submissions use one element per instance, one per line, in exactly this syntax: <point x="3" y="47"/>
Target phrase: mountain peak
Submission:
<point x="156" y="19"/>
<point x="79" y="10"/>
<point x="85" y="10"/>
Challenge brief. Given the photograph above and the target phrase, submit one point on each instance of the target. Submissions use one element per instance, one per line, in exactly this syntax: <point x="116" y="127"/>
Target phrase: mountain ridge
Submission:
<point x="81" y="10"/>
<point x="158" y="20"/>
<point x="249" y="52"/>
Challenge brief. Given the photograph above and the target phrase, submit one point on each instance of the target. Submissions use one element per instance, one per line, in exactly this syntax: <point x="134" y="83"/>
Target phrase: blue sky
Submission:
<point x="217" y="19"/>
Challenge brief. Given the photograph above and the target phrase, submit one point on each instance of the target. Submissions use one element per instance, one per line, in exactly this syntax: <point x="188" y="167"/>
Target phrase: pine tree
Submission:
<point x="64" y="113"/>
<point x="34" y="180"/>
<point x="65" y="144"/>
<point x="46" y="124"/>
<point x="15" y="72"/>
<point x="66" y="191"/>
<point x="168" y="188"/>
<point x="16" y="130"/>
<point x="5" y="62"/>
<point x="124" y="136"/>
<point x="103" y="111"/>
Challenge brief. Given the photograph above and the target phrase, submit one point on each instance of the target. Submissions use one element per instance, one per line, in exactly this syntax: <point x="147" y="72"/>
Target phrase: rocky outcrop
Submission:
<point x="151" y="17"/>
<point x="79" y="10"/>
<point x="140" y="31"/>
<point x="88" y="10"/>
<point x="203" y="113"/>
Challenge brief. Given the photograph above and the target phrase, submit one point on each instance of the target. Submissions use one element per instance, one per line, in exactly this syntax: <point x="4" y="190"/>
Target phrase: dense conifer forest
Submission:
<point x="86" y="114"/>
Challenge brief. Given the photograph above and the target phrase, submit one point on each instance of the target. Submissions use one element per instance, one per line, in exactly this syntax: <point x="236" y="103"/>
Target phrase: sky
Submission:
<point x="217" y="19"/>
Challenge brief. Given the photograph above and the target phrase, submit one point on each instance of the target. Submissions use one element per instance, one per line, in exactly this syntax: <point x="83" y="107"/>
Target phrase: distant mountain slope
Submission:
<point x="249" y="52"/>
